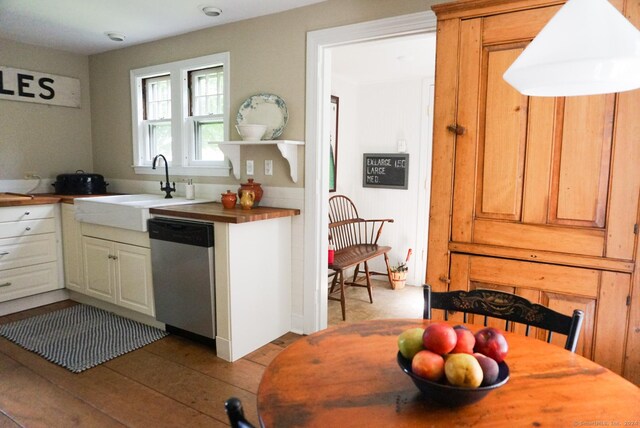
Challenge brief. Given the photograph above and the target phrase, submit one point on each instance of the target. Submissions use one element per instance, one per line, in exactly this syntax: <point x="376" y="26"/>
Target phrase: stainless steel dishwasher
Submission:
<point x="183" y="276"/>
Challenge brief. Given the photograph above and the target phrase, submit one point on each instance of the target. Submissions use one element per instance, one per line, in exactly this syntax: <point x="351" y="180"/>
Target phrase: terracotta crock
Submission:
<point x="251" y="185"/>
<point x="229" y="199"/>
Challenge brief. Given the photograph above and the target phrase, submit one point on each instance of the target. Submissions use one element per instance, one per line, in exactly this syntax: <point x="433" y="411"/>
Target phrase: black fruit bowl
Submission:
<point x="449" y="395"/>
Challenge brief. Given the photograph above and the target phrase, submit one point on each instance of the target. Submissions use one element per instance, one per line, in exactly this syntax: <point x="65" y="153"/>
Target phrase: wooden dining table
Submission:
<point x="348" y="376"/>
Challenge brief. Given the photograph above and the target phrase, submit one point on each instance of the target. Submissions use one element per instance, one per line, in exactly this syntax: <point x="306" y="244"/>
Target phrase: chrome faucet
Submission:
<point x="166" y="188"/>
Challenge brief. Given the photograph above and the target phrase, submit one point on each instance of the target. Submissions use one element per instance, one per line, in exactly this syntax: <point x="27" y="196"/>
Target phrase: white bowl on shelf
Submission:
<point x="251" y="132"/>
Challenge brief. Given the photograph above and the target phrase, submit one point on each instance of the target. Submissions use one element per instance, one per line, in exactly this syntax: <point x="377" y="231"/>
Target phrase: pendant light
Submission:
<point x="587" y="48"/>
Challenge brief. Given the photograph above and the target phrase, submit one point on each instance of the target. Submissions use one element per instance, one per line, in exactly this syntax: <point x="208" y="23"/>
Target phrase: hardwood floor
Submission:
<point x="171" y="382"/>
<point x="405" y="302"/>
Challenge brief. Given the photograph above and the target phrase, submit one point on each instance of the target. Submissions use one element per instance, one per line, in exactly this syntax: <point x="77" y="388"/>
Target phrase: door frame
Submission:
<point x="317" y="124"/>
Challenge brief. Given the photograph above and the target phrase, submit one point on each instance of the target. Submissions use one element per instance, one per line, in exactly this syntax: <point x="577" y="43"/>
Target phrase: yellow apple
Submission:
<point x="463" y="370"/>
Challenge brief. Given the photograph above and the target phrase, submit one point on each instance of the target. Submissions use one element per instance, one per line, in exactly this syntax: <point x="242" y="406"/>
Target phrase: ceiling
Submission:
<point x="376" y="61"/>
<point x="79" y="26"/>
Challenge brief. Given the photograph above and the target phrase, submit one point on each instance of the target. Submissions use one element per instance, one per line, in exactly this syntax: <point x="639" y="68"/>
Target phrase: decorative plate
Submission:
<point x="264" y="109"/>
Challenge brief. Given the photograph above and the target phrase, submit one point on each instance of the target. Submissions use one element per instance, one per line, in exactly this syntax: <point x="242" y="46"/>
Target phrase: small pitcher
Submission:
<point x="246" y="199"/>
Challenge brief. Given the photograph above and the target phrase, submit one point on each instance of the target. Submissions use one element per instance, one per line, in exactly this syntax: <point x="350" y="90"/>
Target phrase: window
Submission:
<point x="157" y="115"/>
<point x="180" y="110"/>
<point x="206" y="104"/>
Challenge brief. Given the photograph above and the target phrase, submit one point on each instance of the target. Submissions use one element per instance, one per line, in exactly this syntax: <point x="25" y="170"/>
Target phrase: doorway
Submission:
<point x="318" y="120"/>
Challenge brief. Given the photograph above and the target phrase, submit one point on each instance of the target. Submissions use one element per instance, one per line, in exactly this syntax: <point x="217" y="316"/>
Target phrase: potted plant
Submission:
<point x="398" y="273"/>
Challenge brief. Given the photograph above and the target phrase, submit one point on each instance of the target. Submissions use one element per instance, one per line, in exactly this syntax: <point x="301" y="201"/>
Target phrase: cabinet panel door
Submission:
<point x="527" y="162"/>
<point x="27" y="250"/>
<point x="98" y="268"/>
<point x="133" y="276"/>
<point x="27" y="281"/>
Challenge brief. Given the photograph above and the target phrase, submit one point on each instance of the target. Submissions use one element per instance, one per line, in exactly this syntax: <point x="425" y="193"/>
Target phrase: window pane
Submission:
<point x="157" y="100"/>
<point x="207" y="91"/>
<point x="207" y="134"/>
<point x="160" y="140"/>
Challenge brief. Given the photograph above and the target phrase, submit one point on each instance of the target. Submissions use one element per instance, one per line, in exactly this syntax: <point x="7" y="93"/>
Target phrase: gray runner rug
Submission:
<point x="80" y="337"/>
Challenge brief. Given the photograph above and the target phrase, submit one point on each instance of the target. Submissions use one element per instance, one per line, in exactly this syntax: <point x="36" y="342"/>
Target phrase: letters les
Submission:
<point x="25" y="86"/>
<point x="36" y="87"/>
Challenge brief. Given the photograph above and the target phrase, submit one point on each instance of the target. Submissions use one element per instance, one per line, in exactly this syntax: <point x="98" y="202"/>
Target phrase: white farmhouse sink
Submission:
<point x="124" y="211"/>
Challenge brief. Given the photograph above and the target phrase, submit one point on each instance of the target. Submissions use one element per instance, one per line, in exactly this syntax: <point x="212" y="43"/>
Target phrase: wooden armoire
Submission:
<point x="535" y="195"/>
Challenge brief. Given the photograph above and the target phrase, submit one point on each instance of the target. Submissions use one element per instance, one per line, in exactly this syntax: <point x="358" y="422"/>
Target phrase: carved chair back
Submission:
<point x="508" y="307"/>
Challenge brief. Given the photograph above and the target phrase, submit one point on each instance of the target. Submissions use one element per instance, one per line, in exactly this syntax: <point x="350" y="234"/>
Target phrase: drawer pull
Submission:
<point x="4" y="253"/>
<point x="27" y="228"/>
<point x="6" y="284"/>
<point x="27" y="213"/>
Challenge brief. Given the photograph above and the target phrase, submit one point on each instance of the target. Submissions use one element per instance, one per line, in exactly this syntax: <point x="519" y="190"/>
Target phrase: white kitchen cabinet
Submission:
<point x="29" y="247"/>
<point x="118" y="273"/>
<point x="133" y="278"/>
<point x="72" y="249"/>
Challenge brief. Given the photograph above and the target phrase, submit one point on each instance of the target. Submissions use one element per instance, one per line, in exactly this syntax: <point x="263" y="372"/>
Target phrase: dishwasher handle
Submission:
<point x="181" y="231"/>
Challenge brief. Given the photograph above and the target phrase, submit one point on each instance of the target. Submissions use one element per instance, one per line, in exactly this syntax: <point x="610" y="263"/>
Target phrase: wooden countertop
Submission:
<point x="214" y="211"/>
<point x="16" y="199"/>
<point x="9" y="199"/>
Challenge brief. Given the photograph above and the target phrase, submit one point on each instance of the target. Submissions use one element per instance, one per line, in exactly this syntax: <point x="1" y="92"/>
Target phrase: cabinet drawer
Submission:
<point x="27" y="281"/>
<point x="27" y="227"/>
<point x="27" y="250"/>
<point x="27" y="212"/>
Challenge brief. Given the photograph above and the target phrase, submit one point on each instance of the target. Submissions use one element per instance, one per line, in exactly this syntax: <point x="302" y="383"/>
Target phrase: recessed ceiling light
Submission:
<point x="116" y="37"/>
<point x="211" y="11"/>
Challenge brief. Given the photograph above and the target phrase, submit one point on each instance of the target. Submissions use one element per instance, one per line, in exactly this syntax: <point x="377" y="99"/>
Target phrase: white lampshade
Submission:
<point x="587" y="48"/>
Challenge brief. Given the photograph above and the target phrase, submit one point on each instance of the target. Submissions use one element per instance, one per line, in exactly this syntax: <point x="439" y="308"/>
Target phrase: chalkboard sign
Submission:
<point x="386" y="170"/>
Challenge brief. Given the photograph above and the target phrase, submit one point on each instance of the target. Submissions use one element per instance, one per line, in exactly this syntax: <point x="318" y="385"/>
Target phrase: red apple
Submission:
<point x="465" y="342"/>
<point x="490" y="369"/>
<point x="428" y="365"/>
<point x="490" y="342"/>
<point x="440" y="338"/>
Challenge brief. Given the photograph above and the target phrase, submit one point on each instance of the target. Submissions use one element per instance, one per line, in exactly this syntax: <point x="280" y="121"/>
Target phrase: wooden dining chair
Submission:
<point x="356" y="242"/>
<point x="508" y="307"/>
<point x="235" y="413"/>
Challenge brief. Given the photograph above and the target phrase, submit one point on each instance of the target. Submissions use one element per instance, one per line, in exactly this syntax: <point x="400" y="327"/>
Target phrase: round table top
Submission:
<point x="348" y="376"/>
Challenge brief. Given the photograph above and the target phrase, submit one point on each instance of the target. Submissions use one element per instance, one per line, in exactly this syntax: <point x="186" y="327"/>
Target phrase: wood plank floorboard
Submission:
<point x="173" y="382"/>
<point x="126" y="400"/>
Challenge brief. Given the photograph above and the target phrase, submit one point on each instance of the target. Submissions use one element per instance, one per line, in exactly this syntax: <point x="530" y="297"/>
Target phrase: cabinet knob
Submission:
<point x="6" y="284"/>
<point x="27" y="213"/>
<point x="445" y="279"/>
<point x="456" y="129"/>
<point x="27" y="228"/>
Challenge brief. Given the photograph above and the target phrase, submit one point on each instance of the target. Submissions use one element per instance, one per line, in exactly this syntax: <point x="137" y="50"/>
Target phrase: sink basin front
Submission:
<point x="124" y="211"/>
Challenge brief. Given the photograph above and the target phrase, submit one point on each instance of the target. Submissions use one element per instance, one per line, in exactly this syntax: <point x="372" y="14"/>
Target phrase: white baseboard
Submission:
<point x="297" y="323"/>
<point x="30" y="302"/>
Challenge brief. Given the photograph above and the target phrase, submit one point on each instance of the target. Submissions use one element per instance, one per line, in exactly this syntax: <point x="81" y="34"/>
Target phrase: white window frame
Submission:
<point x="182" y="135"/>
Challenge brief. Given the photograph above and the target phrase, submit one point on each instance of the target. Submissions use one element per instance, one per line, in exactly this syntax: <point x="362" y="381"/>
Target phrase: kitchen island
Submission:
<point x="252" y="260"/>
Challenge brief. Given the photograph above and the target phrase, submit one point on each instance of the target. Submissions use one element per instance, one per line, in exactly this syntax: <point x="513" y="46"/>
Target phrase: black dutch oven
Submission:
<point x="80" y="183"/>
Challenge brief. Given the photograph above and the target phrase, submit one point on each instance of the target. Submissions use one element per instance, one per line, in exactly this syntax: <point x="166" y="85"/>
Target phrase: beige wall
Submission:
<point x="268" y="54"/>
<point x="45" y="139"/>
